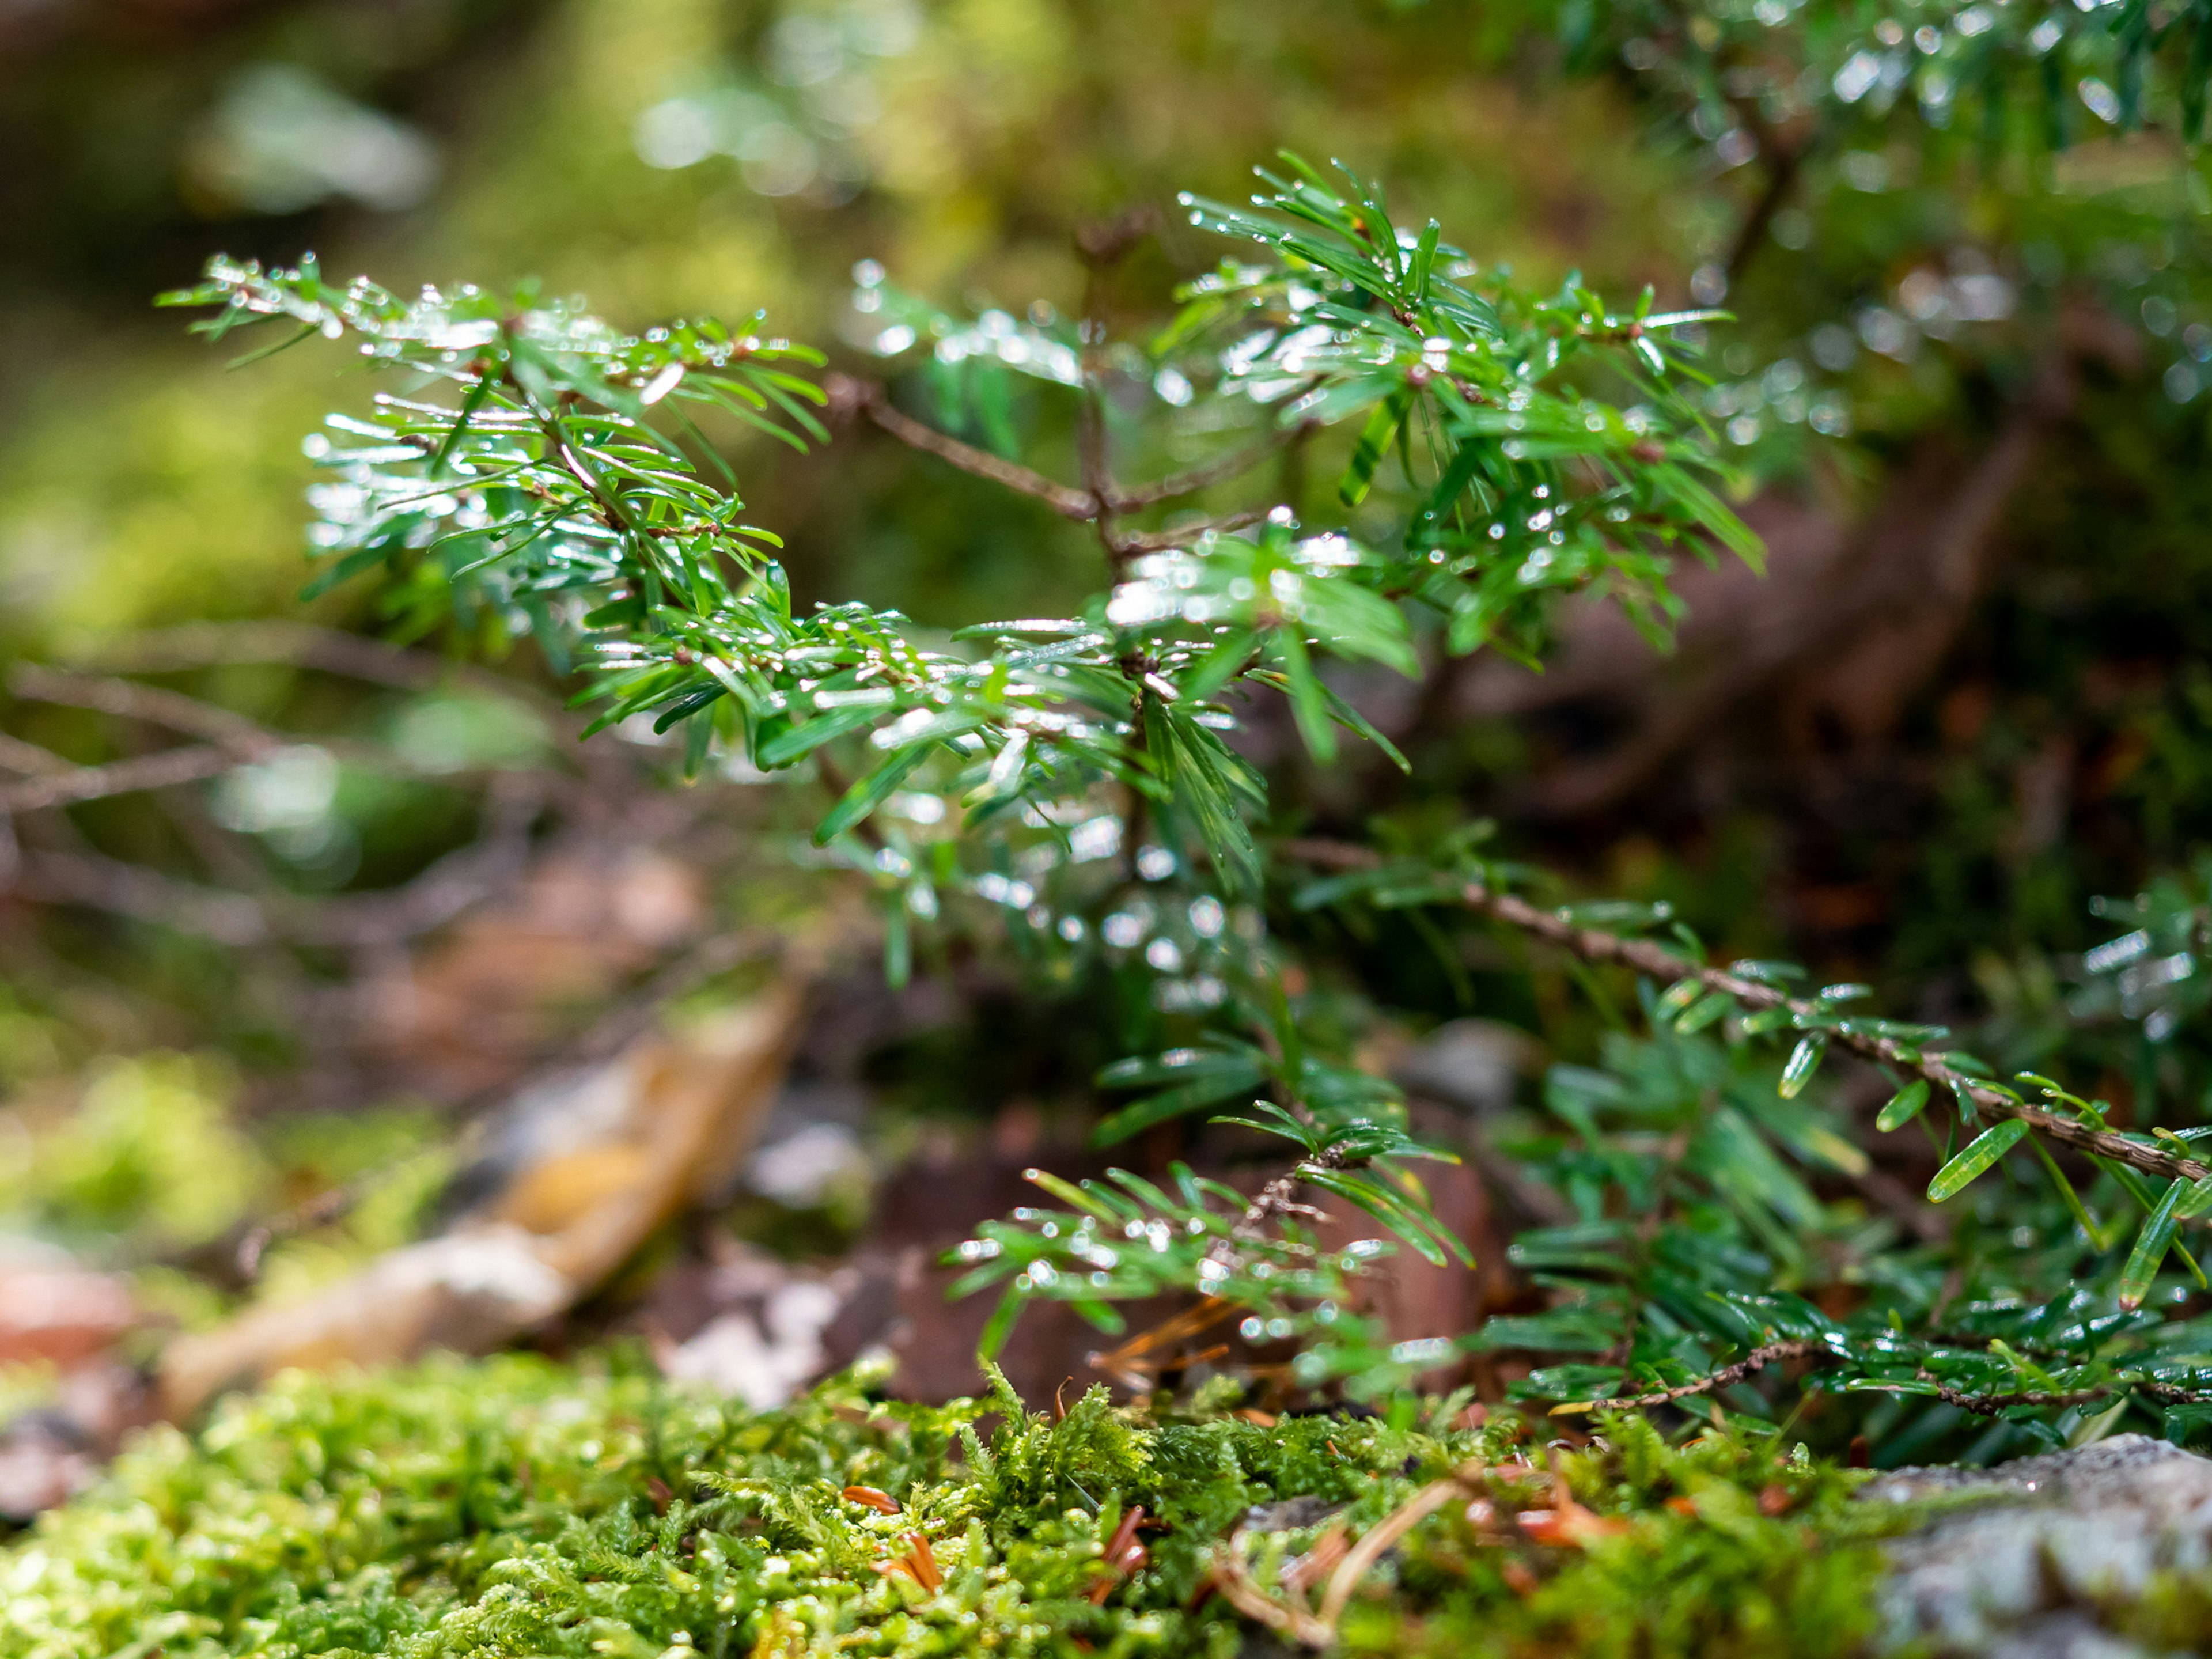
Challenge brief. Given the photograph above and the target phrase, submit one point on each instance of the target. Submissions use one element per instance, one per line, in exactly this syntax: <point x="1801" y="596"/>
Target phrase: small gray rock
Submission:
<point x="1470" y="1064"/>
<point x="2040" y="1554"/>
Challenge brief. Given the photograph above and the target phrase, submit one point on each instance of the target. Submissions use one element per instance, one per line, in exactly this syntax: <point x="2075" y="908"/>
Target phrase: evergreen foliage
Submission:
<point x="551" y="496"/>
<point x="1497" y="447"/>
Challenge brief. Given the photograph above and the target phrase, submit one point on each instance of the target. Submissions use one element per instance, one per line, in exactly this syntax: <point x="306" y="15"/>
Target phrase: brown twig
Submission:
<point x="1124" y="1556"/>
<point x="1594" y="945"/>
<point x="1994" y="1405"/>
<point x="1135" y="1363"/>
<point x="352" y="656"/>
<point x="434" y="897"/>
<point x="153" y="704"/>
<point x="1318" y="1561"/>
<point x="1130" y="545"/>
<point x="872" y="401"/>
<point x="244" y="738"/>
<point x="1278" y="1198"/>
<point x="131" y="889"/>
<point x="124" y="777"/>
<point x="1892" y="593"/>
<point x="1098" y="504"/>
<point x="30" y="760"/>
<point x="834" y="780"/>
<point x="230" y="738"/>
<point x="1318" y="1629"/>
<point x="1726" y="1378"/>
<point x="1233" y="1579"/>
<point x="1210" y="472"/>
<point x="1783" y="162"/>
<point x="1387" y="1531"/>
<point x="1090" y="446"/>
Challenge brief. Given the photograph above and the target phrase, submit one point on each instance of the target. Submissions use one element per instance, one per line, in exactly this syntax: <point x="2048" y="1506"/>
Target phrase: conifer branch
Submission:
<point x="1996" y="1405"/>
<point x="1279" y="1198"/>
<point x="1097" y="506"/>
<point x="1159" y="541"/>
<point x="1212" y="472"/>
<point x="1981" y="1404"/>
<point x="1596" y="946"/>
<point x="1726" y="1378"/>
<point x="870" y="399"/>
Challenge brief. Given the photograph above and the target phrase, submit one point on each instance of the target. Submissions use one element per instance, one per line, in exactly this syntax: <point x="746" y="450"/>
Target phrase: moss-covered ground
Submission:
<point x="516" y="1507"/>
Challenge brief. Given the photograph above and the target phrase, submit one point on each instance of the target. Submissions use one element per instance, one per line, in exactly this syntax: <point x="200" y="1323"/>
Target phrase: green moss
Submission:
<point x="516" y="1507"/>
<point x="1730" y="1552"/>
<point x="151" y="1149"/>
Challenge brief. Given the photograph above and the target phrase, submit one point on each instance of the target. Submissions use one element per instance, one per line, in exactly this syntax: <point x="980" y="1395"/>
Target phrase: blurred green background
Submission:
<point x="661" y="159"/>
<point x="1972" y="695"/>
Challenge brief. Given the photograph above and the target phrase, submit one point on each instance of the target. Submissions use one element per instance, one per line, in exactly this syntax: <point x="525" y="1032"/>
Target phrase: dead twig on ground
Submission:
<point x="1233" y="1576"/>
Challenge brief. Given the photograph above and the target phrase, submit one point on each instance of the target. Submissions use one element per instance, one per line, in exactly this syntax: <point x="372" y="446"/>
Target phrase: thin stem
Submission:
<point x="160" y="771"/>
<point x="1378" y="1538"/>
<point x="1212" y="472"/>
<point x="1995" y="1404"/>
<point x="1991" y="1404"/>
<point x="1279" y="1198"/>
<point x="1090" y="453"/>
<point x="1783" y="162"/>
<point x="30" y="760"/>
<point x="870" y="399"/>
<point x="389" y="916"/>
<point x="200" y="645"/>
<point x="1157" y="541"/>
<point x="1594" y="945"/>
<point x="612" y="507"/>
<point x="1234" y="1580"/>
<point x="1094" y="505"/>
<point x="150" y="703"/>
<point x="1726" y="1377"/>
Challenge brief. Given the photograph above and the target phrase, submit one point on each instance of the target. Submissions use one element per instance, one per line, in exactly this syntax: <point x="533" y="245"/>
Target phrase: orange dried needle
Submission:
<point x="1124" y="1555"/>
<point x="921" y="1561"/>
<point x="1327" y="1550"/>
<point x="1568" y="1521"/>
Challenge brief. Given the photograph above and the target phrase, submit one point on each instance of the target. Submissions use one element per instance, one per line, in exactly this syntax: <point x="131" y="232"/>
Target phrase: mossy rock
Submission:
<point x="516" y="1507"/>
